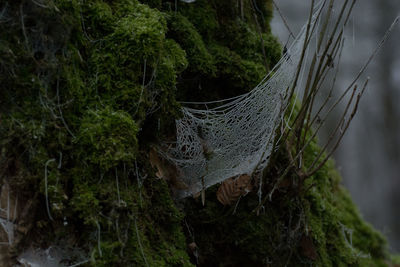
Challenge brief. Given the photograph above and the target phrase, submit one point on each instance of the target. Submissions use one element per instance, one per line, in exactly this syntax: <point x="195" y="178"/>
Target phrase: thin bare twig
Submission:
<point x="140" y="243"/>
<point x="98" y="239"/>
<point x="308" y="174"/>
<point x="23" y="26"/>
<point x="253" y="6"/>
<point x="45" y="185"/>
<point x="60" y="111"/>
<point x="338" y="126"/>
<point x="284" y="20"/>
<point x="329" y="96"/>
<point x="310" y="89"/>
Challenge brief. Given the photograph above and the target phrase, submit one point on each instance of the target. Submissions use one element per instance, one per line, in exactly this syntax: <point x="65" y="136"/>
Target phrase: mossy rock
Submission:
<point x="312" y="224"/>
<point x="88" y="87"/>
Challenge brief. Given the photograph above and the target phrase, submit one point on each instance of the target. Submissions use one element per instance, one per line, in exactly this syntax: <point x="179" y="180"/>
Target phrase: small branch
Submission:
<point x="308" y="122"/>
<point x="79" y="263"/>
<point x="284" y="20"/>
<point x="260" y="33"/>
<point x="323" y="105"/>
<point x="338" y="126"/>
<point x="342" y="133"/>
<point x="39" y="4"/>
<point x="311" y="89"/>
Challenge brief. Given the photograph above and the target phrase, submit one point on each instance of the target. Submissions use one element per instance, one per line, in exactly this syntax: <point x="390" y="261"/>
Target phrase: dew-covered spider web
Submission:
<point x="237" y="136"/>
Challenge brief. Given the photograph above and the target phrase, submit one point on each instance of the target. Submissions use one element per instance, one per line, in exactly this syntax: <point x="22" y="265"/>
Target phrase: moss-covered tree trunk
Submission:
<point x="89" y="87"/>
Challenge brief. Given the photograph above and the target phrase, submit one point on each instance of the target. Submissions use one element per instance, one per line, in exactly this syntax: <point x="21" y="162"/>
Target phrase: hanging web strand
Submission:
<point x="237" y="136"/>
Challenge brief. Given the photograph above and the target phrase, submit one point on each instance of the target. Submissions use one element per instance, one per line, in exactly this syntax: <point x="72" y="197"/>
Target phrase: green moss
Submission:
<point x="205" y="21"/>
<point x="183" y="31"/>
<point x="395" y="259"/>
<point x="76" y="99"/>
<point x="89" y="86"/>
<point x="319" y="226"/>
<point x="337" y="226"/>
<point x="85" y="203"/>
<point x="228" y="53"/>
<point x="107" y="138"/>
<point x="237" y="71"/>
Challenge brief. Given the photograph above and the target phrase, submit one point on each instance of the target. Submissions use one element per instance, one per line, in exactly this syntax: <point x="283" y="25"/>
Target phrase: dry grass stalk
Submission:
<point x="299" y="133"/>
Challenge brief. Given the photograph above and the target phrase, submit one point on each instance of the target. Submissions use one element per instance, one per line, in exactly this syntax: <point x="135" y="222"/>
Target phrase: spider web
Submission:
<point x="237" y="136"/>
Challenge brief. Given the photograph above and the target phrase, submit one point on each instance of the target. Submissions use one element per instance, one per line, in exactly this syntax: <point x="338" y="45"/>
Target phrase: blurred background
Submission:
<point x="369" y="155"/>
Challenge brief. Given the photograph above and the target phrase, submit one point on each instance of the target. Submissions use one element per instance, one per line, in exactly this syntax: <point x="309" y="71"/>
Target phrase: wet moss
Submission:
<point x="228" y="53"/>
<point x="183" y="31"/>
<point x="107" y="138"/>
<point x="76" y="96"/>
<point x="311" y="224"/>
<point x="236" y="71"/>
<point x="89" y="86"/>
<point x="395" y="259"/>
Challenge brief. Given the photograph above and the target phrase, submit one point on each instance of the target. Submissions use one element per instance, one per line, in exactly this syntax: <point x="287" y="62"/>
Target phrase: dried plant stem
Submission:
<point x="338" y="126"/>
<point x="45" y="185"/>
<point x="311" y="86"/>
<point x="362" y="70"/>
<point x="98" y="239"/>
<point x="301" y="62"/>
<point x="329" y="96"/>
<point x="284" y="20"/>
<point x="298" y="155"/>
<point x="60" y="111"/>
<point x="303" y="52"/>
<point x="353" y="113"/>
<point x="308" y="122"/>
<point x="23" y="26"/>
<point x="140" y="243"/>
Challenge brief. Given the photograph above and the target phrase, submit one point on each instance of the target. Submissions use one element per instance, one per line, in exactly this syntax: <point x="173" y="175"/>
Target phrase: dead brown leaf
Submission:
<point x="167" y="170"/>
<point x="233" y="188"/>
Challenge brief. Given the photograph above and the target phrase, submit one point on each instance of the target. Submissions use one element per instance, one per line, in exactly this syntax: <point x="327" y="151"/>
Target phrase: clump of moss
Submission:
<point x="77" y="94"/>
<point x="236" y="71"/>
<point x="108" y="138"/>
<point x="396" y="259"/>
<point x="183" y="31"/>
<point x="228" y="53"/>
<point x="305" y="224"/>
<point x="89" y="86"/>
